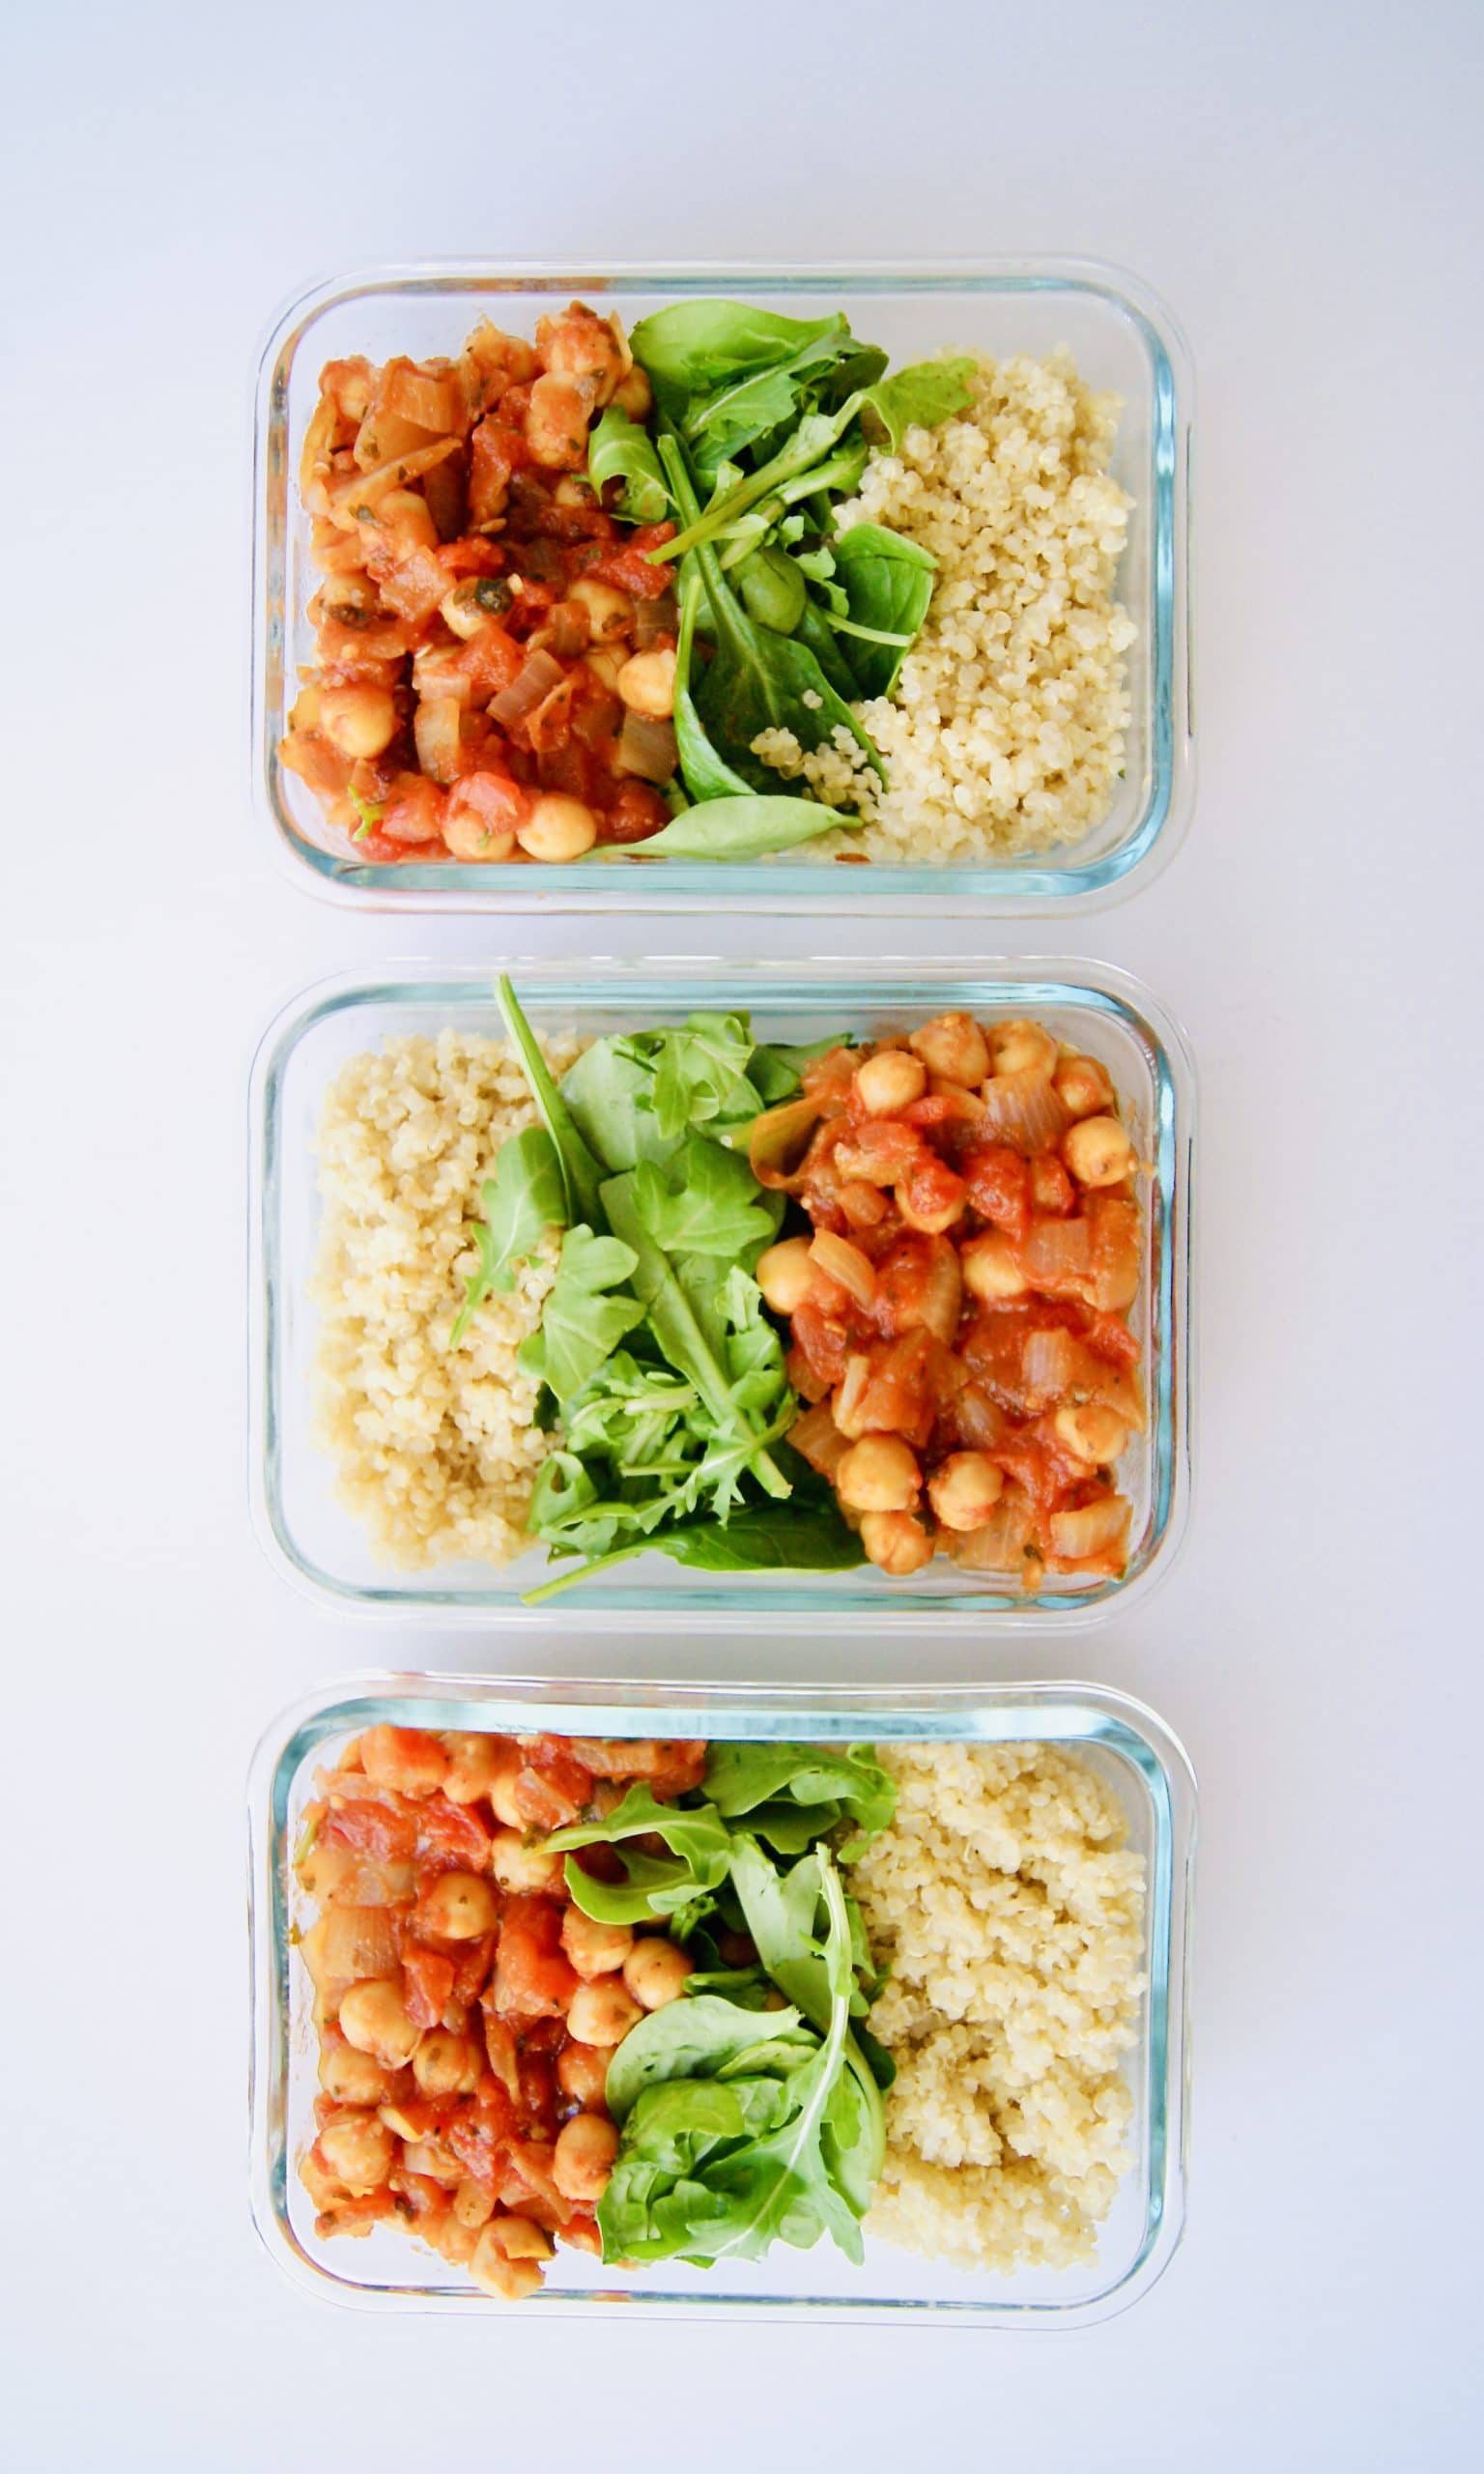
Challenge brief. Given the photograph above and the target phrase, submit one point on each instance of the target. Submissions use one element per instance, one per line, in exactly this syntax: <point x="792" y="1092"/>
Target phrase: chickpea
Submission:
<point x="610" y="611"/>
<point x="785" y="1274"/>
<point x="954" y="1046"/>
<point x="583" y="2156"/>
<point x="556" y="422"/>
<point x="633" y="394"/>
<point x="408" y="517"/>
<point x="1082" y="1087"/>
<point x="468" y="835"/>
<point x="1022" y="1047"/>
<point x="1097" y="1151"/>
<point x="580" y="344"/>
<point x="558" y="828"/>
<point x="518" y="1867"/>
<point x="472" y="2204"/>
<point x="459" y="1907"/>
<point x="594" y="1948"/>
<point x="506" y="2259"/>
<point x="346" y="596"/>
<point x="918" y="1209"/>
<point x="1097" y="1434"/>
<point x="602" y="2013"/>
<point x="503" y="1804"/>
<point x="655" y="1971"/>
<point x="352" y="2077"/>
<point x="991" y="1269"/>
<point x="475" y="1762"/>
<point x="581" y="2073"/>
<point x="404" y="1759"/>
<point x="647" y="683"/>
<point x="430" y="2158"/>
<point x="462" y="612"/>
<point x="373" y="2018"/>
<point x="895" y="1542"/>
<point x="964" y="1491"/>
<point x="359" y="2152"/>
<point x="445" y="2064"/>
<point x="891" y="1081"/>
<point x="325" y="1873"/>
<point x="358" y="720"/>
<point x="879" y="1474"/>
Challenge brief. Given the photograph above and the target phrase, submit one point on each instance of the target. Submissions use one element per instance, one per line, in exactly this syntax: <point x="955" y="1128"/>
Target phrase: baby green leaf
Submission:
<point x="620" y="449"/>
<point x="707" y="1203"/>
<point x="524" y="1199"/>
<point x="694" y="2038"/>
<point x="888" y="583"/>
<point x="582" y="1323"/>
<point x="918" y="397"/>
<point x="745" y="826"/>
<point x="580" y="1170"/>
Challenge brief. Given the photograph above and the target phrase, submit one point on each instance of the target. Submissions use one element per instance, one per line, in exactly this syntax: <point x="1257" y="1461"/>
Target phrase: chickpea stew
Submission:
<point x="594" y="591"/>
<point x="622" y="1996"/>
<point x="757" y="1307"/>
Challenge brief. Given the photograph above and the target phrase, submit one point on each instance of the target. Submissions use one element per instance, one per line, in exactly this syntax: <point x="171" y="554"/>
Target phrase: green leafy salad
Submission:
<point x="750" y="2110"/>
<point x="762" y="426"/>
<point x="655" y="1355"/>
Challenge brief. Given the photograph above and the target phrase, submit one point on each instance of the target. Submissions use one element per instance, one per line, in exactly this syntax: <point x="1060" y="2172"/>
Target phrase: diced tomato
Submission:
<point x="627" y="568"/>
<point x="497" y="451"/>
<point x="638" y="811"/>
<point x="1051" y="1189"/>
<point x="999" y="1187"/>
<point x="473" y="1966"/>
<point x="414" y="812"/>
<point x="429" y="1984"/>
<point x="824" y="1340"/>
<point x="471" y="557"/>
<point x="652" y="536"/>
<point x="491" y="661"/>
<point x="501" y="805"/>
<point x="386" y="1828"/>
<point x="479" y="2137"/>
<point x="532" y="1977"/>
<point x="1108" y="1337"/>
<point x="549" y="1793"/>
<point x="452" y="1838"/>
<point x="931" y="1190"/>
<point x="538" y="2094"/>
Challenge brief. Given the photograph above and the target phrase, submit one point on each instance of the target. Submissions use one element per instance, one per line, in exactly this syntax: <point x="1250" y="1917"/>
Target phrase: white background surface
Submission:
<point x="1303" y="185"/>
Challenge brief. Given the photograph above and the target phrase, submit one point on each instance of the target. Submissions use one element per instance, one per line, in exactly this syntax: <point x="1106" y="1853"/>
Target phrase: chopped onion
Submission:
<point x="570" y="629"/>
<point x="646" y="746"/>
<point x="1000" y="1544"/>
<point x="818" y="1440"/>
<point x="1090" y="1530"/>
<point x="535" y="682"/>
<point x="1051" y="1363"/>
<point x="436" y="731"/>
<point x="849" y="1396"/>
<point x="844" y="1263"/>
<point x="1024" y="1109"/>
<point x="779" y="1140"/>
<point x="1056" y="1253"/>
<point x="655" y="618"/>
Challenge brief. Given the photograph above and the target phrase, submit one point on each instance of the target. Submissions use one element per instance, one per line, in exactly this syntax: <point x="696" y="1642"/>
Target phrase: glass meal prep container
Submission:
<point x="1121" y="339"/>
<point x="318" y="1544"/>
<point x="1130" y="1748"/>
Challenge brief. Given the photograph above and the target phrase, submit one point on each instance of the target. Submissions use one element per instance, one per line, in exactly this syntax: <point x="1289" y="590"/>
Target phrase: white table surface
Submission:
<point x="1303" y="185"/>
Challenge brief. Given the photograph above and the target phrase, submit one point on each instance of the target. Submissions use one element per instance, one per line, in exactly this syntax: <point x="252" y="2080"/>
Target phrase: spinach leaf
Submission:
<point x="888" y="583"/>
<point x="918" y="397"/>
<point x="693" y="348"/>
<point x="524" y="1199"/>
<point x="803" y="1537"/>
<point x="609" y="1092"/>
<point x="759" y="681"/>
<point x="619" y="449"/>
<point x="741" y="1777"/>
<point x="690" y="2039"/>
<point x="747" y="827"/>
<point x="773" y="590"/>
<point x="707" y="775"/>
<point x="582" y="1322"/>
<point x="580" y="1172"/>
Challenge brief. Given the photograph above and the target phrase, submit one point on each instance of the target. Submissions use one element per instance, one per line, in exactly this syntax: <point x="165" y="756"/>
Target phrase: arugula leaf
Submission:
<point x="582" y="1323"/>
<point x="803" y="1537"/>
<point x="701" y="1854"/>
<point x="699" y="1070"/>
<point x="580" y="1172"/>
<point x="708" y="1202"/>
<point x="620" y="449"/>
<point x="610" y="1092"/>
<point x="918" y="397"/>
<point x="888" y="583"/>
<point x="696" y="348"/>
<point x="767" y="2145"/>
<point x="741" y="1777"/>
<point x="524" y="1199"/>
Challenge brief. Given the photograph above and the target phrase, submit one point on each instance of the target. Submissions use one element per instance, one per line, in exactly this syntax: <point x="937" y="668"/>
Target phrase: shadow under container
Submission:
<point x="1123" y="340"/>
<point x="317" y="1543"/>
<point x="1132" y="1750"/>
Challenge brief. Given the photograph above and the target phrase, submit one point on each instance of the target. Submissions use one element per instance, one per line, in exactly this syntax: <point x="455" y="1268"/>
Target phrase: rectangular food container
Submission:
<point x="1122" y="339"/>
<point x="1132" y="1749"/>
<point x="317" y="1543"/>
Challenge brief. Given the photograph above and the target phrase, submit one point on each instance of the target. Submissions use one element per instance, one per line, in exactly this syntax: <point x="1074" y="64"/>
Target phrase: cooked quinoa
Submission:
<point x="1011" y="1915"/>
<point x="1005" y="731"/>
<point x="436" y="1451"/>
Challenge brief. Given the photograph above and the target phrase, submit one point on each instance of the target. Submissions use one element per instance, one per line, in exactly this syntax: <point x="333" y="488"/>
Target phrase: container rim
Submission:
<point x="626" y="887"/>
<point x="1035" y="977"/>
<point x="1058" y="1711"/>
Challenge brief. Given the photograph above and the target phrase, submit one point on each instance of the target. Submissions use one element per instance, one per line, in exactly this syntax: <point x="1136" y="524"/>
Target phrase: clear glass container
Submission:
<point x="318" y="1544"/>
<point x="1122" y="339"/>
<point x="1127" y="1744"/>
